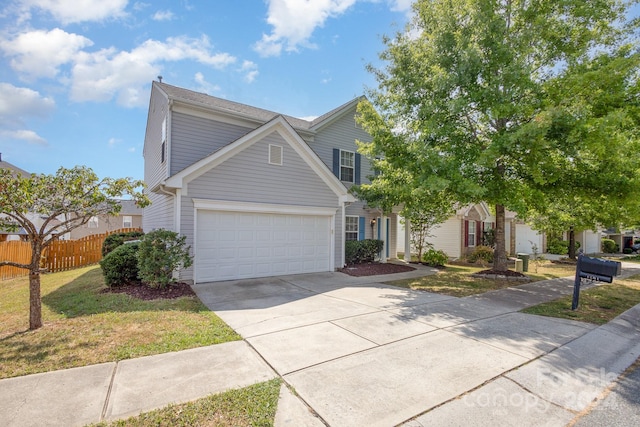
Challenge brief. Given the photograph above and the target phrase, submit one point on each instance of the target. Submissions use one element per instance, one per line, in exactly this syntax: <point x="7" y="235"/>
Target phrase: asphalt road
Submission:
<point x="621" y="407"/>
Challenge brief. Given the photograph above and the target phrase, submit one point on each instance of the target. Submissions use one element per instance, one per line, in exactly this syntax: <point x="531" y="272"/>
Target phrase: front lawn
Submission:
<point x="83" y="326"/>
<point x="457" y="280"/>
<point x="597" y="305"/>
<point x="250" y="406"/>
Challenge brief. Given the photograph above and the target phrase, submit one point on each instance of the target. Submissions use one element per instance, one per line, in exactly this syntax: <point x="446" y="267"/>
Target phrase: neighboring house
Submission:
<point x="130" y="216"/>
<point x="20" y="234"/>
<point x="255" y="192"/>
<point x="459" y="235"/>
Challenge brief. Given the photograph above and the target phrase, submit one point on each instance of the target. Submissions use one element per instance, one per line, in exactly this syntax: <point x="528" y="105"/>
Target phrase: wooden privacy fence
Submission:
<point x="60" y="255"/>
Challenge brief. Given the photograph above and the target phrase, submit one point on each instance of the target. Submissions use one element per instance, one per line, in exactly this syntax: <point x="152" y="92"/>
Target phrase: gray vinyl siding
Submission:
<point x="194" y="138"/>
<point x="342" y="134"/>
<point x="154" y="169"/>
<point x="160" y="213"/>
<point x="248" y="177"/>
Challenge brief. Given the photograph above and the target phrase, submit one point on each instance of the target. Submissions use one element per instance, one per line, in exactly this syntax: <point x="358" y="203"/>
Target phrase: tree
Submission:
<point x="424" y="214"/>
<point x="464" y="80"/>
<point x="62" y="202"/>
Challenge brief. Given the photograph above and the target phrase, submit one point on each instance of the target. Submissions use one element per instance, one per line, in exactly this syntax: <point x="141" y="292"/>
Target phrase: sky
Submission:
<point x="75" y="75"/>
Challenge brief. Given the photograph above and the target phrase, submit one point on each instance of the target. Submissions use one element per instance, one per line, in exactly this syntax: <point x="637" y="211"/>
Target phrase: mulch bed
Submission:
<point x="374" y="268"/>
<point x="505" y="275"/>
<point x="142" y="292"/>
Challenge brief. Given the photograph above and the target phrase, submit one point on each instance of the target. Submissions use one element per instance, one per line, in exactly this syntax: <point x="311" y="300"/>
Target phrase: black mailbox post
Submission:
<point x="601" y="270"/>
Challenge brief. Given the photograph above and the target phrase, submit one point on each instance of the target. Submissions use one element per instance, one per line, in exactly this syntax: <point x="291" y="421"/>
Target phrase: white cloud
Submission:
<point x="113" y="142"/>
<point x="294" y="21"/>
<point x="17" y="103"/>
<point x="309" y="118"/>
<point x="68" y="12"/>
<point x="41" y="53"/>
<point x="24" y="135"/>
<point x="163" y="15"/>
<point x="250" y="69"/>
<point x="203" y="85"/>
<point x="108" y="73"/>
<point x="401" y="5"/>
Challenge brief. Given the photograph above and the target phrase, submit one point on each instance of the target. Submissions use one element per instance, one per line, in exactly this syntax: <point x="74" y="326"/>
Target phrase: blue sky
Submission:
<point x="75" y="75"/>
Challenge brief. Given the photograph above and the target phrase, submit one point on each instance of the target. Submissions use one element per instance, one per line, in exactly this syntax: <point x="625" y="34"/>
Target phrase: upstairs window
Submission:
<point x="347" y="165"/>
<point x="275" y="155"/>
<point x="127" y="221"/>
<point x="93" y="222"/>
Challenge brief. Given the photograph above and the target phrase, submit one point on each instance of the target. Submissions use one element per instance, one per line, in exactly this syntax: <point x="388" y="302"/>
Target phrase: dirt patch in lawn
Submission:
<point x="143" y="292"/>
<point x="375" y="268"/>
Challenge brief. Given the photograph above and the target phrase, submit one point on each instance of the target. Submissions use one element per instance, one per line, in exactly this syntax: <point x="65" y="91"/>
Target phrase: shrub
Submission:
<point x="161" y="253"/>
<point x="359" y="251"/>
<point x="609" y="246"/>
<point x="558" y="247"/>
<point x="482" y="253"/>
<point x="435" y="258"/>
<point x="120" y="266"/>
<point x="627" y="251"/>
<point x="112" y="241"/>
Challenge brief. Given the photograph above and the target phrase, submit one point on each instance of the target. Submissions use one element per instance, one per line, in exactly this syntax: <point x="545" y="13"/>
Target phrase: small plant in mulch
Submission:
<point x="374" y="268"/>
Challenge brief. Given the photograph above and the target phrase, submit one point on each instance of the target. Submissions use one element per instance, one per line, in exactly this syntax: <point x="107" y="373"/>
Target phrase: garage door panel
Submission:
<point x="233" y="245"/>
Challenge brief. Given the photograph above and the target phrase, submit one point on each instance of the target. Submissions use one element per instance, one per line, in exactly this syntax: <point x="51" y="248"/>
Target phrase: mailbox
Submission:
<point x="598" y="269"/>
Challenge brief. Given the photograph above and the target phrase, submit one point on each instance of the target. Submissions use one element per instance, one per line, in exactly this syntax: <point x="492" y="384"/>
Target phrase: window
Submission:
<point x="93" y="222"/>
<point x="127" y="221"/>
<point x="347" y="165"/>
<point x="275" y="155"/>
<point x="471" y="234"/>
<point x="351" y="228"/>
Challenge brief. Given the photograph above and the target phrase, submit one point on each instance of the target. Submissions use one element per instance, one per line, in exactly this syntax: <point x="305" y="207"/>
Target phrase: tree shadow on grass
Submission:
<point x="84" y="296"/>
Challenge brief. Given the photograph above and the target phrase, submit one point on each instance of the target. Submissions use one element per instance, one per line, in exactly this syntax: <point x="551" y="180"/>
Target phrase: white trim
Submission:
<point x="226" y="205"/>
<point x="177" y="209"/>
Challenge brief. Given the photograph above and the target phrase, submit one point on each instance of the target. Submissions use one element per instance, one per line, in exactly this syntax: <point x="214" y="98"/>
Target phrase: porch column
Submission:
<point x="383" y="237"/>
<point x="407" y="240"/>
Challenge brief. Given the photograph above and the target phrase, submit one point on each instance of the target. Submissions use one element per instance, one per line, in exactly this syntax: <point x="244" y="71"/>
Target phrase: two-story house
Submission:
<point x="256" y="193"/>
<point x="130" y="216"/>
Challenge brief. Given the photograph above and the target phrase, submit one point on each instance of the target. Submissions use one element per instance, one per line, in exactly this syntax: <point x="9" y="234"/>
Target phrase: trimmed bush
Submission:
<point x="120" y="266"/>
<point x="112" y="241"/>
<point x="482" y="253"/>
<point x="359" y="251"/>
<point x="627" y="251"/>
<point x="435" y="258"/>
<point x="609" y="246"/>
<point x="161" y="253"/>
<point x="558" y="247"/>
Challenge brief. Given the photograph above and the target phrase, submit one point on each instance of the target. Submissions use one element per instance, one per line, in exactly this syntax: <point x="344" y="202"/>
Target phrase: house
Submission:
<point x="130" y="216"/>
<point x="469" y="227"/>
<point x="255" y="192"/>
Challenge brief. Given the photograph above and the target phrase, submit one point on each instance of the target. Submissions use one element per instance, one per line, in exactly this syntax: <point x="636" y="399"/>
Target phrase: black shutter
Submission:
<point x="336" y="162"/>
<point x="357" y="169"/>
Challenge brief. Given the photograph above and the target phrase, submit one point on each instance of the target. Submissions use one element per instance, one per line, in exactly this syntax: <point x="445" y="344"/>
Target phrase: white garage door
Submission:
<point x="239" y="245"/>
<point x="526" y="237"/>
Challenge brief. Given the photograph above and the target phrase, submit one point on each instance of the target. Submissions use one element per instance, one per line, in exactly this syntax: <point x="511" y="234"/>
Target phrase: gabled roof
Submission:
<point x="256" y="114"/>
<point x="278" y="124"/>
<point x="15" y="170"/>
<point x="129" y="207"/>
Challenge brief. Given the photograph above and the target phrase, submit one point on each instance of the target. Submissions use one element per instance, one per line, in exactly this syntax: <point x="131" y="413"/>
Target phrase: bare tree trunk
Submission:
<point x="572" y="243"/>
<point x="35" y="303"/>
<point x="500" y="262"/>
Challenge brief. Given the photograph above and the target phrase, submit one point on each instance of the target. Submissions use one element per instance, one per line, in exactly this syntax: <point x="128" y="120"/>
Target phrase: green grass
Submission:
<point x="250" y="406"/>
<point x="83" y="326"/>
<point x="457" y="280"/>
<point x="597" y="305"/>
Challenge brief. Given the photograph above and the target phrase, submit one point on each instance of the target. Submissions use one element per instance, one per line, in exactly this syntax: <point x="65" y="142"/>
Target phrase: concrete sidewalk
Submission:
<point x="359" y="352"/>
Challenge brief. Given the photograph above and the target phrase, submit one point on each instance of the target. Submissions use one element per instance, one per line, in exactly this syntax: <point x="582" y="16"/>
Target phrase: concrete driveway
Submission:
<point x="359" y="352"/>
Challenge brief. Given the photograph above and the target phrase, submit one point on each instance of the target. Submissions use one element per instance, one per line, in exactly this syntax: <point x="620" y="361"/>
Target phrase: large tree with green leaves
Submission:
<point x="49" y="206"/>
<point x="465" y="85"/>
